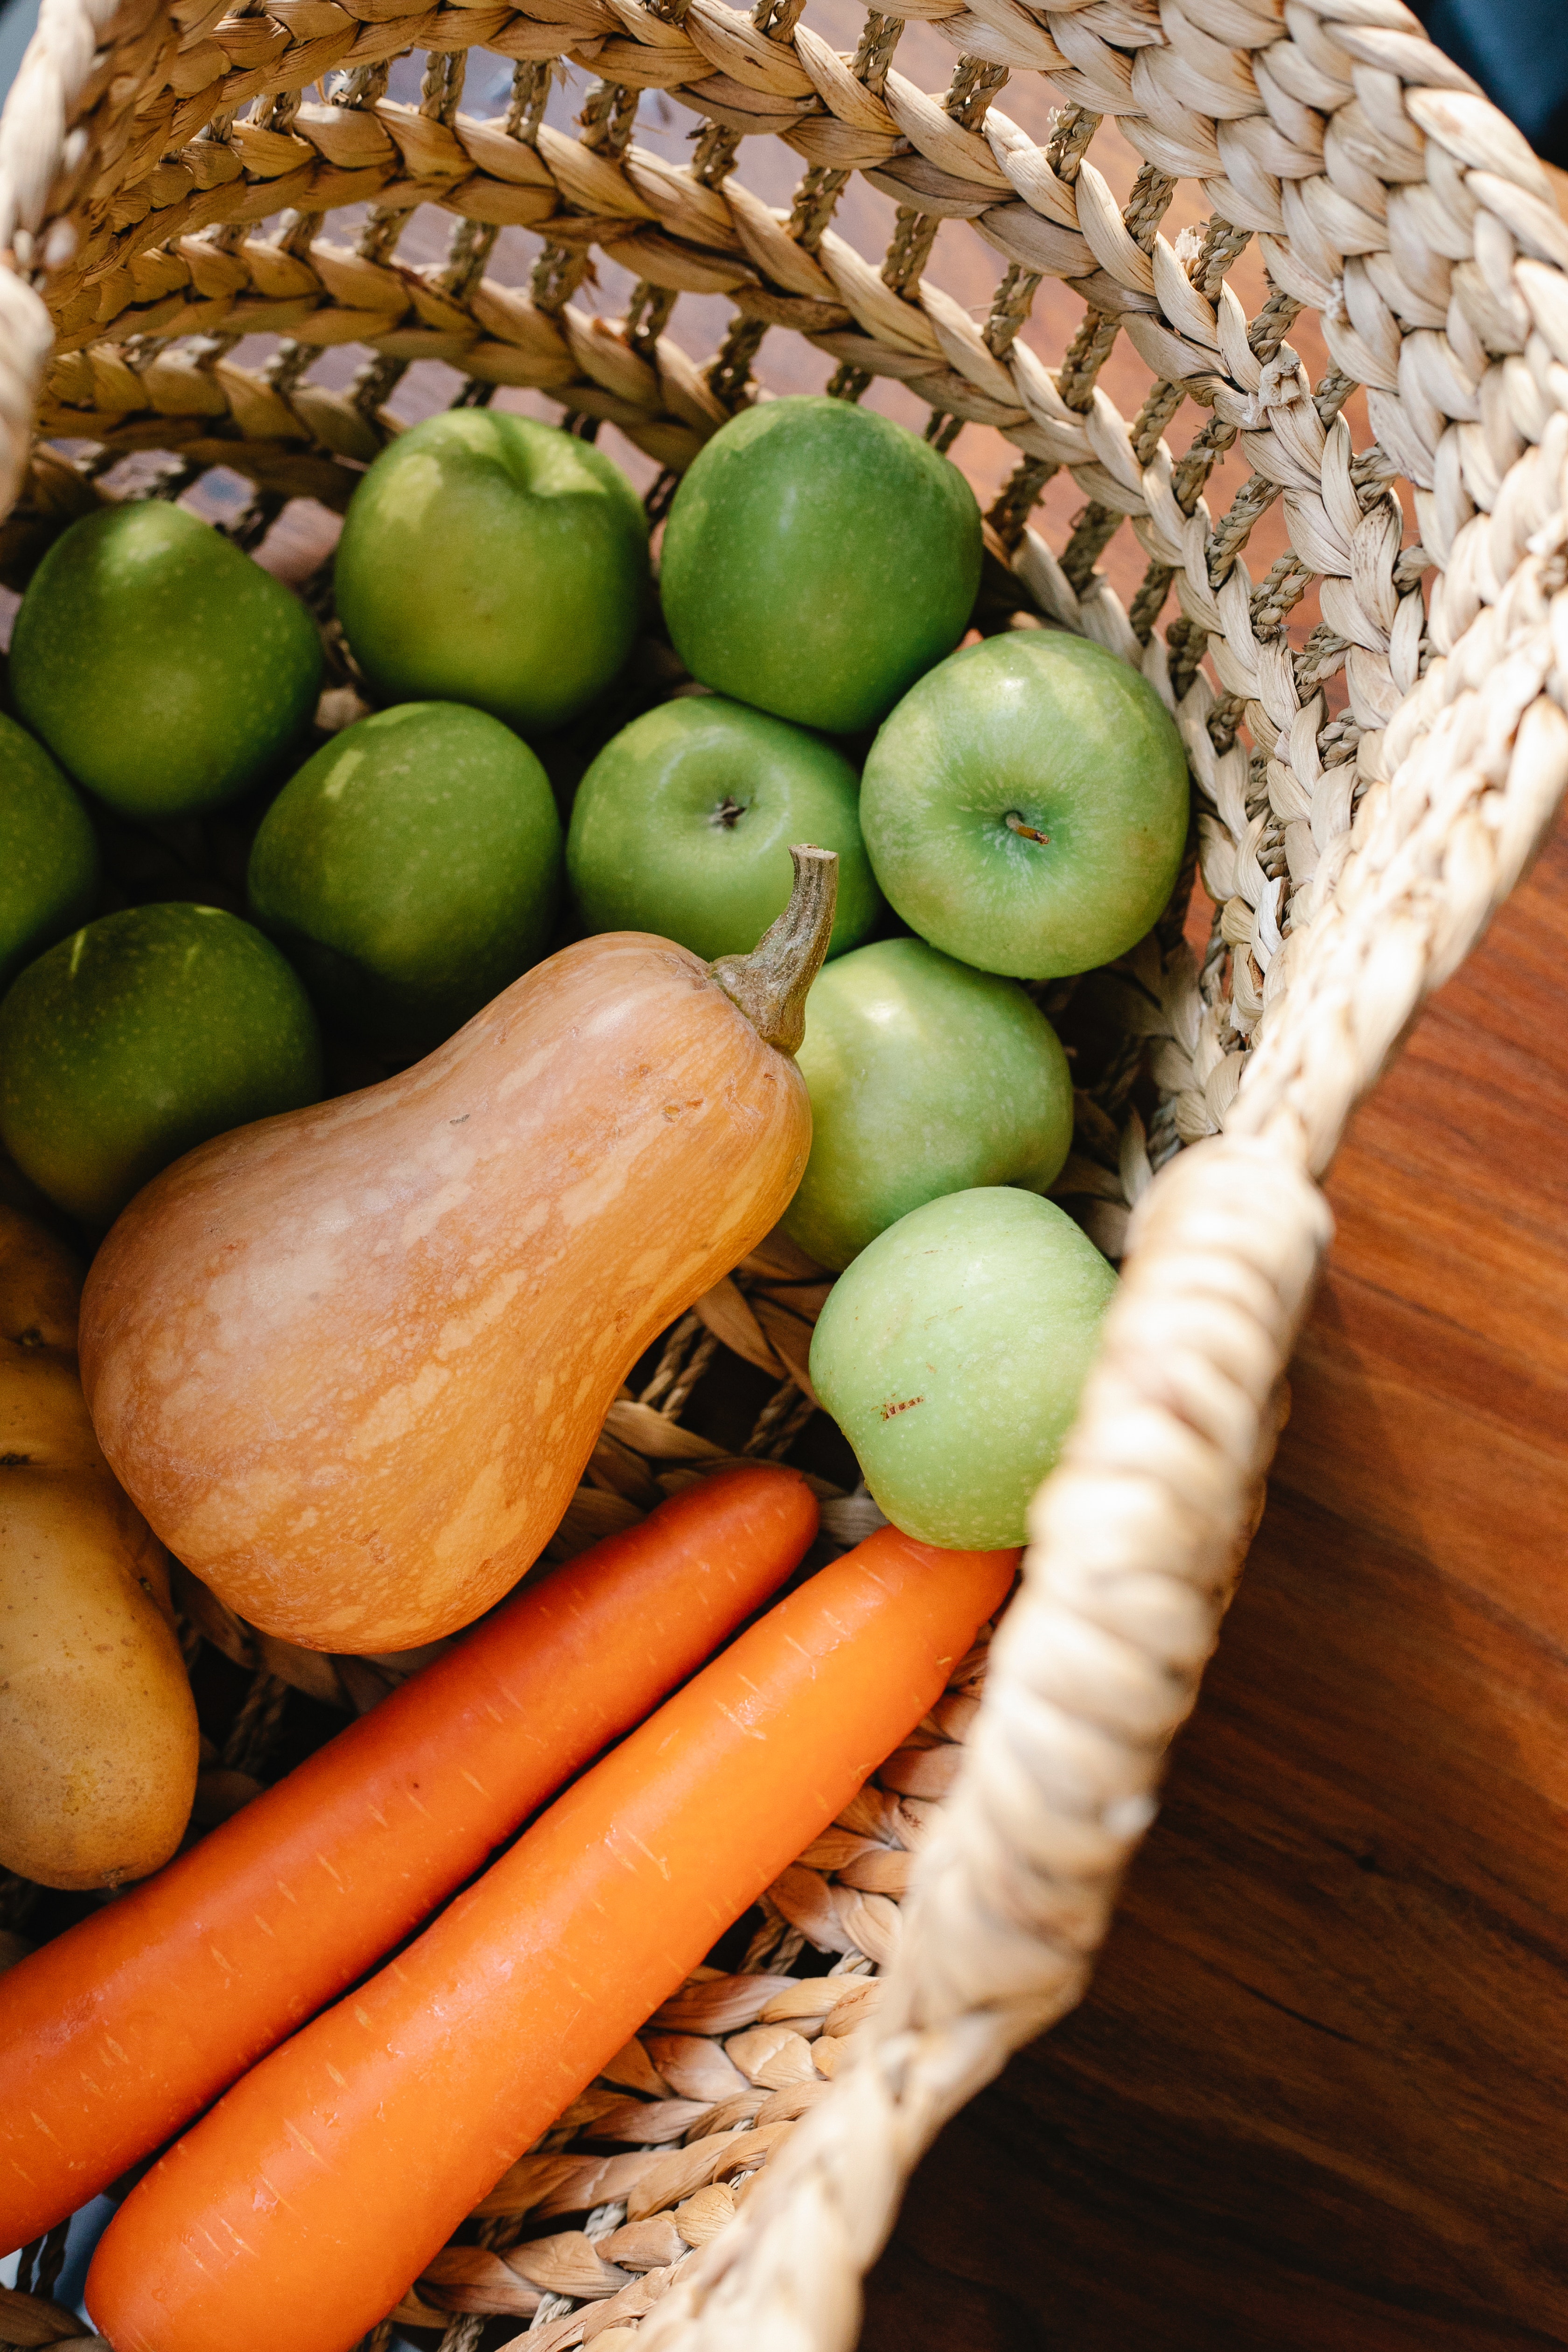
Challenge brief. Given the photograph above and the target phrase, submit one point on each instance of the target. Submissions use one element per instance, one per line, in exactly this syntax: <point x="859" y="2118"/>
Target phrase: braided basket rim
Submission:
<point x="1353" y="859"/>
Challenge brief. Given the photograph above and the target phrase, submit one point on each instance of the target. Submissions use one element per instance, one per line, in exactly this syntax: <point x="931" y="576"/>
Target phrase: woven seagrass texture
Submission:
<point x="1375" y="727"/>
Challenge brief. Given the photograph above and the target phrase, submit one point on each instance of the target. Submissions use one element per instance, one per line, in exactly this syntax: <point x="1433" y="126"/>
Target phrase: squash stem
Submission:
<point x="770" y="985"/>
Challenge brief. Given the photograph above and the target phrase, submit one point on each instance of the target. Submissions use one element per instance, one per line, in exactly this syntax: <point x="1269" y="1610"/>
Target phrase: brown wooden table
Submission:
<point x="1318" y="2097"/>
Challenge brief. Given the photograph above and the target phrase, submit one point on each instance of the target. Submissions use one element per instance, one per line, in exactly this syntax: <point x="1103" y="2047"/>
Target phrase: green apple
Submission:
<point x="683" y="826"/>
<point x="164" y="669"/>
<point x="139" y="1037"/>
<point x="491" y="559"/>
<point x="410" y="870"/>
<point x="951" y="1355"/>
<point x="1025" y="806"/>
<point x="817" y="560"/>
<point x="49" y="872"/>
<point x="925" y="1077"/>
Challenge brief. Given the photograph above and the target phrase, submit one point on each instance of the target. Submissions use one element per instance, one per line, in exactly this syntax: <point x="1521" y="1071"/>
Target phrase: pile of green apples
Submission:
<point x="1009" y="810"/>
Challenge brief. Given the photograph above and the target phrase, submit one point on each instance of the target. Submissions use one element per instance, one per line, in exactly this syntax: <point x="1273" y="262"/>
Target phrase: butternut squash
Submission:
<point x="351" y="1361"/>
<point x="98" y="1730"/>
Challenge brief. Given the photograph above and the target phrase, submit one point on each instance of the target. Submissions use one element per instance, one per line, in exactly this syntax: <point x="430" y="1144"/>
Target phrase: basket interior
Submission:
<point x="289" y="234"/>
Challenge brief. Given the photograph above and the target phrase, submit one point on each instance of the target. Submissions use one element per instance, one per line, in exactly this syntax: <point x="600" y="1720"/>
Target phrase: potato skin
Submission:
<point x="98" y="1729"/>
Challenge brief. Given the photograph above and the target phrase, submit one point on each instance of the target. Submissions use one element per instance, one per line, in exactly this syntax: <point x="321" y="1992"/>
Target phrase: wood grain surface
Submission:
<point x="1317" y="2095"/>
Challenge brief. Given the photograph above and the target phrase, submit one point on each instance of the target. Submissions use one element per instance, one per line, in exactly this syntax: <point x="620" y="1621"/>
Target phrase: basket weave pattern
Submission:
<point x="1368" y="791"/>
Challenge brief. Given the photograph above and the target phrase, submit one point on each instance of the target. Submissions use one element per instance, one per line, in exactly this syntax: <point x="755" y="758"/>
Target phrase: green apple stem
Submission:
<point x="770" y="985"/>
<point x="1015" y="823"/>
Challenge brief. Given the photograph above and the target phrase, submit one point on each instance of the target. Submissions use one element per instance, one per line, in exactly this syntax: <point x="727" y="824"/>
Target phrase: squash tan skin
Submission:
<point x="351" y="1362"/>
<point x="98" y="1729"/>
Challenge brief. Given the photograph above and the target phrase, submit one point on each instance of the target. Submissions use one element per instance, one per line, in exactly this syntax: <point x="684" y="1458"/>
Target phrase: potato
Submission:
<point x="98" y="1729"/>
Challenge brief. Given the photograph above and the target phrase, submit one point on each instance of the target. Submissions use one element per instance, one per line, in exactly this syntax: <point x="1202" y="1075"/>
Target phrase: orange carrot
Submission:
<point x="125" y="2027"/>
<point x="300" y="2208"/>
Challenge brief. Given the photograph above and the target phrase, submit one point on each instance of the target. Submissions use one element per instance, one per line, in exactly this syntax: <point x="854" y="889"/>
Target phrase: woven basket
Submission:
<point x="1373" y="768"/>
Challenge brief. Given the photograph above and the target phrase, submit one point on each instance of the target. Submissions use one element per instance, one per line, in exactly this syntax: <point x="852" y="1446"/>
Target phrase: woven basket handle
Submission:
<point x="1137" y="1538"/>
<point x="1138" y="1532"/>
